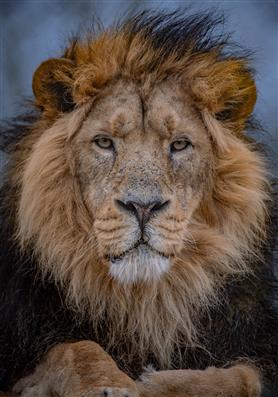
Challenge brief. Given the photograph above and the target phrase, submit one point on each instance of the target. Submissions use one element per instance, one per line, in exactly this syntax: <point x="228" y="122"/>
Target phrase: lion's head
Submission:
<point x="139" y="191"/>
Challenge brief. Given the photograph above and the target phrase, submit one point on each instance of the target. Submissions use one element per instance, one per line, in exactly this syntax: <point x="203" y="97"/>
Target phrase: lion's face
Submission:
<point x="143" y="163"/>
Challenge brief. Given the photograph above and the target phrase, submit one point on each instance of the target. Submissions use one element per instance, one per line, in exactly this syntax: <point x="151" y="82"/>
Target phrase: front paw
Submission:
<point x="237" y="381"/>
<point x="37" y="391"/>
<point x="110" y="392"/>
<point x="34" y="391"/>
<point x="250" y="378"/>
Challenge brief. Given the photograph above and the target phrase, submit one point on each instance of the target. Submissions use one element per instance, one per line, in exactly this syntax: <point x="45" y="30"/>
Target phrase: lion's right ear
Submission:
<point x="52" y="85"/>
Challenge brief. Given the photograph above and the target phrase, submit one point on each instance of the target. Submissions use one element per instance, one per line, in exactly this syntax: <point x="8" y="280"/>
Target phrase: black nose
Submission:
<point x="142" y="211"/>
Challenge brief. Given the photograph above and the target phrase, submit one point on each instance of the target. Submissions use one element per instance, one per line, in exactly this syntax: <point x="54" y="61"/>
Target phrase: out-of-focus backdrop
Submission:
<point x="34" y="30"/>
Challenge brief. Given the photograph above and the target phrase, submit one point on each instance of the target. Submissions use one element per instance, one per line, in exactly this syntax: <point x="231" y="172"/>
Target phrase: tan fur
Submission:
<point x="76" y="369"/>
<point x="84" y="369"/>
<point x="238" y="381"/>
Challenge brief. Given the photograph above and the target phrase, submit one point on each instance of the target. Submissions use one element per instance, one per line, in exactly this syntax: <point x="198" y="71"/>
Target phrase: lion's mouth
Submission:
<point x="140" y="243"/>
<point x="142" y="262"/>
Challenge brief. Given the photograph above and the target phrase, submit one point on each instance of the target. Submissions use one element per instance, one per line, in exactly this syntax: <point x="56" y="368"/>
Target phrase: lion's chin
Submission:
<point x="139" y="264"/>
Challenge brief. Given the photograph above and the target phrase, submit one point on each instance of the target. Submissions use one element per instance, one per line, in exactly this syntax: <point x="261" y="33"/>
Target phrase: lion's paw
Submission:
<point x="37" y="391"/>
<point x="109" y="392"/>
<point x="34" y="391"/>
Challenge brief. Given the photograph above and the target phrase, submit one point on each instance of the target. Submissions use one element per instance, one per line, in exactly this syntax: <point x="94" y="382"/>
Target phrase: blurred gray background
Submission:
<point x="34" y="30"/>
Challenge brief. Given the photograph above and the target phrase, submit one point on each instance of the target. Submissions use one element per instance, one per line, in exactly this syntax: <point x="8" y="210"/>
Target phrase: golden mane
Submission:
<point x="226" y="229"/>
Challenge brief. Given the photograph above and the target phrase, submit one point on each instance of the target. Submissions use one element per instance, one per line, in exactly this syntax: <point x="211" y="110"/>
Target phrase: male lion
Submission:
<point x="137" y="222"/>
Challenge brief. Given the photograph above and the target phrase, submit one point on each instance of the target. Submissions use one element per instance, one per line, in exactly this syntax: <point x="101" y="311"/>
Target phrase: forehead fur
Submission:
<point x="147" y="49"/>
<point x="124" y="108"/>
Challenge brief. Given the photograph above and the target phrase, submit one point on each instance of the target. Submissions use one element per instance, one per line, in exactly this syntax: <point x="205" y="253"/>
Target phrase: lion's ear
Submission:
<point x="52" y="83"/>
<point x="237" y="92"/>
<point x="227" y="89"/>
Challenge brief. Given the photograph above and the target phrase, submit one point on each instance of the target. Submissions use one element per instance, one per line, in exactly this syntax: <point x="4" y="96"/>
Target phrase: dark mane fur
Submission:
<point x="13" y="130"/>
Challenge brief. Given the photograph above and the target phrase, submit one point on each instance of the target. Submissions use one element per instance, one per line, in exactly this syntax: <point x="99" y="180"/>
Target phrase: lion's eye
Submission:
<point x="104" y="143"/>
<point x="180" y="144"/>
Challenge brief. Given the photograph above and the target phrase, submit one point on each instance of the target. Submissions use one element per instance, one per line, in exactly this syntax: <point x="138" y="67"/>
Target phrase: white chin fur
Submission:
<point x="140" y="264"/>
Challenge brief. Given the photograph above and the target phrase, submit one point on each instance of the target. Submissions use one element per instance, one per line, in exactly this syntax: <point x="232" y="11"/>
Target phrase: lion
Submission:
<point x="138" y="221"/>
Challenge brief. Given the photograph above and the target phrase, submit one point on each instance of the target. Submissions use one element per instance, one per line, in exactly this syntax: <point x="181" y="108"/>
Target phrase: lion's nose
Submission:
<point x="142" y="211"/>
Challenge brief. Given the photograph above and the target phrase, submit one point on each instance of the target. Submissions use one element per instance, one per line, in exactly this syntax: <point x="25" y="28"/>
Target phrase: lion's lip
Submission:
<point x="115" y="258"/>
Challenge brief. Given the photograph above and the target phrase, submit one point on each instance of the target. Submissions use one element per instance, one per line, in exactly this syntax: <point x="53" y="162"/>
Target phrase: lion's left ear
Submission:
<point x="227" y="89"/>
<point x="52" y="83"/>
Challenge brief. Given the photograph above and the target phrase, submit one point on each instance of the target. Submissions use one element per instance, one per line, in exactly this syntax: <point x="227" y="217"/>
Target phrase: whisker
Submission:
<point x="111" y="230"/>
<point x="169" y="230"/>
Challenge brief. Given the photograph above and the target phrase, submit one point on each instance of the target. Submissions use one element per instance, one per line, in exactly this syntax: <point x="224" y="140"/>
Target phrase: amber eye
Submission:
<point x="179" y="145"/>
<point x="104" y="143"/>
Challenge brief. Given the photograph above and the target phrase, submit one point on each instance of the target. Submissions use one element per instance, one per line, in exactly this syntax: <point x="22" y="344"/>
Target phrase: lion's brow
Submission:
<point x="120" y="125"/>
<point x="169" y="124"/>
<point x="165" y="127"/>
